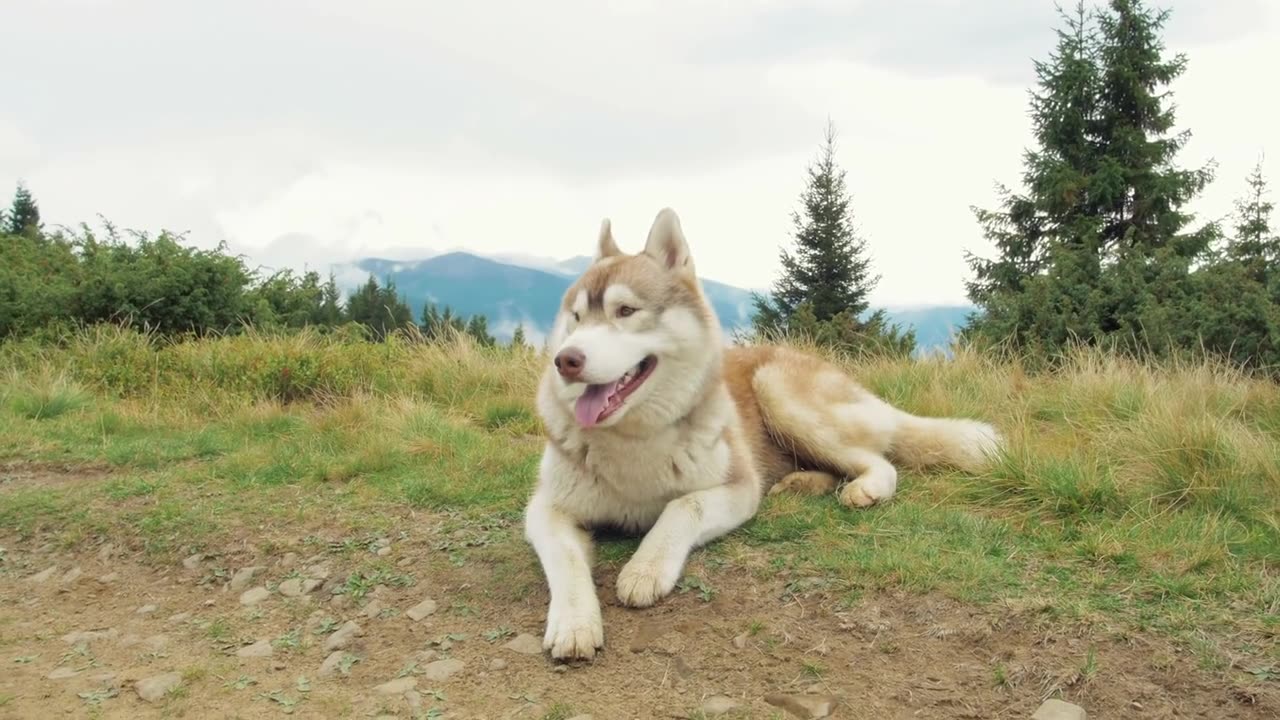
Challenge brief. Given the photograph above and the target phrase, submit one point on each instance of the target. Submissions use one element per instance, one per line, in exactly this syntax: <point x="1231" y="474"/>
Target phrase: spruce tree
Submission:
<point x="1098" y="247"/>
<point x="478" y="329"/>
<point x="1254" y="245"/>
<point x="23" y="217"/>
<point x="829" y="271"/>
<point x="379" y="308"/>
<point x="517" y="338"/>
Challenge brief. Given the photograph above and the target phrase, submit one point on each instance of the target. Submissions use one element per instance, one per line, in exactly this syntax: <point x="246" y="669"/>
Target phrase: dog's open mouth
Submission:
<point x="601" y="401"/>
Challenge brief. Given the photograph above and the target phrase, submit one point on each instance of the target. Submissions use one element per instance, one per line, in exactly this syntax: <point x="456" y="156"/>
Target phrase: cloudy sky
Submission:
<point x="304" y="133"/>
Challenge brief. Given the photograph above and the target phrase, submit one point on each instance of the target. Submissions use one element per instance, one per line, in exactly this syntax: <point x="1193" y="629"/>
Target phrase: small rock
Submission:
<point x="291" y="587"/>
<point x="253" y="596"/>
<point x="340" y="601"/>
<point x="740" y="641"/>
<point x="72" y="575"/>
<point x="210" y="602"/>
<point x="109" y="578"/>
<point x="279" y="665"/>
<point x="310" y="584"/>
<point x="525" y="644"/>
<point x="803" y="706"/>
<point x="497" y="664"/>
<point x="146" y="610"/>
<point x="289" y="559"/>
<point x="442" y="670"/>
<point x="372" y="609"/>
<point x="260" y="649"/>
<point x="1054" y="709"/>
<point x="384" y="551"/>
<point x="560" y="669"/>
<point x="192" y="562"/>
<point x="240" y="581"/>
<point x="179" y="617"/>
<point x="319" y="572"/>
<point x="154" y="688"/>
<point x="44" y="575"/>
<point x="106" y="552"/>
<point x="332" y="665"/>
<point x="422" y="610"/>
<point x="62" y="673"/>
<point x="398" y="686"/>
<point x="422" y="657"/>
<point x="718" y="705"/>
<point x="86" y="636"/>
<point x="343" y="637"/>
<point x="404" y="562"/>
<point x="414" y="698"/>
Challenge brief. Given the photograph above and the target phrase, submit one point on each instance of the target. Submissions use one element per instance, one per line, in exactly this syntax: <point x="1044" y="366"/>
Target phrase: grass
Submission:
<point x="1145" y="497"/>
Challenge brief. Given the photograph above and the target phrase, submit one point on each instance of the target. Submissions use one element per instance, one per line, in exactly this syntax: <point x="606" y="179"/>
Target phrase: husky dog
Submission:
<point x="654" y="427"/>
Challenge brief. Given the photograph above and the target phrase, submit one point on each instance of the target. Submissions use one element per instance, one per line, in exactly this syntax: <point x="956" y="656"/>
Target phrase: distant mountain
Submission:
<point x="516" y="290"/>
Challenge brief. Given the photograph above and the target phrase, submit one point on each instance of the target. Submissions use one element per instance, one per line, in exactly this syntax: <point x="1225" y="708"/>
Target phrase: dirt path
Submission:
<point x="81" y="633"/>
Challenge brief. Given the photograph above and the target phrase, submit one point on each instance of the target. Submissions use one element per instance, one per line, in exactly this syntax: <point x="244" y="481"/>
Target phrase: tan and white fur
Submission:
<point x="706" y="431"/>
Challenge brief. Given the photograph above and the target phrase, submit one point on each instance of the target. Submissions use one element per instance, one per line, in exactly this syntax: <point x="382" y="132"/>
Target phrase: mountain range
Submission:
<point x="512" y="290"/>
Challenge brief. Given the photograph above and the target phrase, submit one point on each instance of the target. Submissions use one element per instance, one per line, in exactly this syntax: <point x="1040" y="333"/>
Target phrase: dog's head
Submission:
<point x="634" y="339"/>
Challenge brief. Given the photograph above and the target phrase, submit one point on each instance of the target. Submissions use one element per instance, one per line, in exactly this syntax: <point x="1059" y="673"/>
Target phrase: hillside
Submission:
<point x="511" y="290"/>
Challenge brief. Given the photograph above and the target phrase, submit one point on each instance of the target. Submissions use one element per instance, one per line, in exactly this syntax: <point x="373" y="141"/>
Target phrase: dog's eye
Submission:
<point x="576" y="318"/>
<point x="626" y="311"/>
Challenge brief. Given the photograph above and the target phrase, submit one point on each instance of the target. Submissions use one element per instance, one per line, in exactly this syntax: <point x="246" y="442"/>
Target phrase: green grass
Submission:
<point x="1143" y="497"/>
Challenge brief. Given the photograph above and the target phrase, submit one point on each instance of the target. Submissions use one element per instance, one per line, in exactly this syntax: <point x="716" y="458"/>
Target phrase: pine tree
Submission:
<point x="23" y="217"/>
<point x="517" y="338"/>
<point x="478" y="329"/>
<point x="379" y="308"/>
<point x="829" y="272"/>
<point x="1255" y="246"/>
<point x="1097" y="248"/>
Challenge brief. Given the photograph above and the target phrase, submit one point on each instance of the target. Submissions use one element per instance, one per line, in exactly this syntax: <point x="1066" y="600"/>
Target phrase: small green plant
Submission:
<point x="46" y="397"/>
<point x="347" y="662"/>
<point x="693" y="582"/>
<point x="499" y="633"/>
<point x="291" y="640"/>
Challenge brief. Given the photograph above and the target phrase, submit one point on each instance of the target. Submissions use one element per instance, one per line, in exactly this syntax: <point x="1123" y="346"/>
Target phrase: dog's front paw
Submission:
<point x="574" y="633"/>
<point x="641" y="584"/>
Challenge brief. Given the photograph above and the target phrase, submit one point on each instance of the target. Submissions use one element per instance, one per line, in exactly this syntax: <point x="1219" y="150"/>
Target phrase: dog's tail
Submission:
<point x="922" y="442"/>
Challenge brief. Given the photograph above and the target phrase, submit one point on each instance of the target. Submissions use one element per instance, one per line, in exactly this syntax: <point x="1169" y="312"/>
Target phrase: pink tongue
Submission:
<point x="591" y="403"/>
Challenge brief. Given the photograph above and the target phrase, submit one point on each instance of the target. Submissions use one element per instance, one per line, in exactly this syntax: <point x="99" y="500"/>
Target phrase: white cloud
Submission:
<point x="309" y="133"/>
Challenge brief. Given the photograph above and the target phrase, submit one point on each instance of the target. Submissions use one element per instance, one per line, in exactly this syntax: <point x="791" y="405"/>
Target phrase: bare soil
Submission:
<point x="752" y="643"/>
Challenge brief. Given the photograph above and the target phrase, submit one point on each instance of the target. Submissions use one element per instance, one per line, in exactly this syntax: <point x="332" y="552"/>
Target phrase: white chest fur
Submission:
<point x="608" y="477"/>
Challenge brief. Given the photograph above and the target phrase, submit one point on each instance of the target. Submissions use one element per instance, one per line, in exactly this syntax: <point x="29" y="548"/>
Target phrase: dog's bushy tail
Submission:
<point x="922" y="442"/>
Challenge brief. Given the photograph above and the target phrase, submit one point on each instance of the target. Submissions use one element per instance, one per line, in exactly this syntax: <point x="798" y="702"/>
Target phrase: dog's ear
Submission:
<point x="666" y="242"/>
<point x="606" y="246"/>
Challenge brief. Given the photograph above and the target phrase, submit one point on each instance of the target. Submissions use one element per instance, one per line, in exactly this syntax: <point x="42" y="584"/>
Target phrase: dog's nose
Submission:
<point x="569" y="362"/>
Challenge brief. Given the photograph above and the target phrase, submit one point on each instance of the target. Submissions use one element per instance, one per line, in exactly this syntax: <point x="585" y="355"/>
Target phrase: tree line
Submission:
<point x="50" y="280"/>
<point x="1098" y="248"/>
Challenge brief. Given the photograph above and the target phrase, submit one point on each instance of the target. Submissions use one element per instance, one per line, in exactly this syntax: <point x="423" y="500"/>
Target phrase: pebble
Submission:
<point x="442" y="670"/>
<point x="344" y="636"/>
<point x="372" y="609"/>
<point x="44" y="575"/>
<point x="525" y="644"/>
<point x="260" y="649"/>
<point x="422" y="610"/>
<point x="398" y="686"/>
<point x="240" y="581"/>
<point x="85" y="636"/>
<point x="146" y="609"/>
<point x="803" y="706"/>
<point x="291" y="587"/>
<point x="62" y="673"/>
<point x="332" y="665"/>
<point x="180" y="617"/>
<point x="192" y="562"/>
<point x="318" y="571"/>
<point x="106" y="552"/>
<point x="154" y="688"/>
<point x="72" y="575"/>
<point x="497" y="664"/>
<point x="384" y="551"/>
<point x="253" y="596"/>
<point x="414" y="698"/>
<point x="109" y="578"/>
<point x="740" y="641"/>
<point x="718" y="705"/>
<point x="289" y="559"/>
<point x="404" y="562"/>
<point x="1054" y="709"/>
